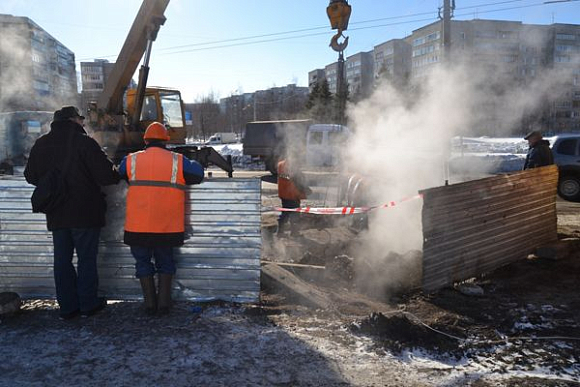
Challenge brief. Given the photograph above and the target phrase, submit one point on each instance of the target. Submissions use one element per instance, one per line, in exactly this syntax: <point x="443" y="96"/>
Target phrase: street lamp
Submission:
<point x="338" y="12"/>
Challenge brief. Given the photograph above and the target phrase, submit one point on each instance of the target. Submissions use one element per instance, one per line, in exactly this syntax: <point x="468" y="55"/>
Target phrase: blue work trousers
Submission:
<point x="164" y="263"/>
<point x="76" y="289"/>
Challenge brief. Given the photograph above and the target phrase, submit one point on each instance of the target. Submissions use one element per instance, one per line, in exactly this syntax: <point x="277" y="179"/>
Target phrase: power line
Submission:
<point x="312" y="29"/>
<point x="240" y="41"/>
<point x="351" y="29"/>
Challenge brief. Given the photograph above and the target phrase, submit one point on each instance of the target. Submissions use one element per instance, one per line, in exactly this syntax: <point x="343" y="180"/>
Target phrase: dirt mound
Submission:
<point x="397" y="332"/>
<point x="394" y="273"/>
<point x="341" y="267"/>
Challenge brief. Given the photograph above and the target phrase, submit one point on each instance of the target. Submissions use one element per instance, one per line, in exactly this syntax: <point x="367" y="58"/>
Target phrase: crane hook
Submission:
<point x="336" y="46"/>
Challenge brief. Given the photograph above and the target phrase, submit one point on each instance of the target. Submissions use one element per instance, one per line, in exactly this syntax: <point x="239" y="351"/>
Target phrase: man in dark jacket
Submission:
<point x="539" y="154"/>
<point x="76" y="224"/>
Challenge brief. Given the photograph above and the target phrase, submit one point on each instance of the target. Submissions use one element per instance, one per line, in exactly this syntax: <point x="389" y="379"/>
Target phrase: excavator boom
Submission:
<point x="144" y="28"/>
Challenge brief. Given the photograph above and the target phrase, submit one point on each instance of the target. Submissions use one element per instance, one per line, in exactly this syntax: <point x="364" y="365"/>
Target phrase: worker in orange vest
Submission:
<point x="155" y="217"/>
<point x="291" y="190"/>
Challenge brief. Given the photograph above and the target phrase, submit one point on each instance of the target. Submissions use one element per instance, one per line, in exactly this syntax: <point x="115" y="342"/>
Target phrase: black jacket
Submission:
<point x="539" y="155"/>
<point x="89" y="169"/>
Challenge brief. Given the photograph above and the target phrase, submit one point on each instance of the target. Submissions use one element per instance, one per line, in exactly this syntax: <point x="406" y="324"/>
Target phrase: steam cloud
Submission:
<point x="402" y="138"/>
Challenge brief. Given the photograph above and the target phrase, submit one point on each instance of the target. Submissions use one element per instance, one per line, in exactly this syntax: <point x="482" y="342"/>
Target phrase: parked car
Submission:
<point x="566" y="150"/>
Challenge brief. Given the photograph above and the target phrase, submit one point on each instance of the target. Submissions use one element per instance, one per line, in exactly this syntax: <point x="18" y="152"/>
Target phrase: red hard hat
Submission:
<point x="156" y="131"/>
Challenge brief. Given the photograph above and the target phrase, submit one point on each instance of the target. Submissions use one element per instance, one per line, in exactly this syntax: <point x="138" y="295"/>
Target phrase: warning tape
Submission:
<point x="342" y="210"/>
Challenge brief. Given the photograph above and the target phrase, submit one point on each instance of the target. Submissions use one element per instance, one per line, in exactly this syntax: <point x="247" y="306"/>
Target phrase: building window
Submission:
<point x="507" y="34"/>
<point x="564" y="48"/>
<point x="562" y="59"/>
<point x="41" y="85"/>
<point x="508" y="58"/>
<point x="565" y="36"/>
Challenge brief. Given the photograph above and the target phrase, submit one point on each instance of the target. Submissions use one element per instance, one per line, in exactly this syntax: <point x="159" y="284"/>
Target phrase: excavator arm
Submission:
<point x="143" y="32"/>
<point x="206" y="156"/>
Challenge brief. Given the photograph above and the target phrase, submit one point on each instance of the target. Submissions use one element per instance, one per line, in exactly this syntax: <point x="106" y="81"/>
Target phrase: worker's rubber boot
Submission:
<point x="164" y="297"/>
<point x="149" y="294"/>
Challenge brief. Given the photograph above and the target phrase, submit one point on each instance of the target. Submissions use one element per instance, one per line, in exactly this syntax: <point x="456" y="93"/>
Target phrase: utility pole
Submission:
<point x="448" y="7"/>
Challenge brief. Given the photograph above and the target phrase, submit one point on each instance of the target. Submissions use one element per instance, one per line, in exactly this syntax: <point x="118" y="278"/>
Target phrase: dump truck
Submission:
<point x="268" y="141"/>
<point x="118" y="119"/>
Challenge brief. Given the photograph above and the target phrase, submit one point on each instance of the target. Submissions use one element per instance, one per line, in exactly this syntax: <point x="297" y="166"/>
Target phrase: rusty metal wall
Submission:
<point x="219" y="261"/>
<point x="475" y="227"/>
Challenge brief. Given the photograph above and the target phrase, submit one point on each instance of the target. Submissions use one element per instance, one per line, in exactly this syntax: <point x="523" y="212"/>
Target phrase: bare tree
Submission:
<point x="206" y="116"/>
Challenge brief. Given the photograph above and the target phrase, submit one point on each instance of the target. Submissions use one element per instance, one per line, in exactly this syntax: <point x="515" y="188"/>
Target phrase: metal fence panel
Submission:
<point x="220" y="259"/>
<point x="475" y="227"/>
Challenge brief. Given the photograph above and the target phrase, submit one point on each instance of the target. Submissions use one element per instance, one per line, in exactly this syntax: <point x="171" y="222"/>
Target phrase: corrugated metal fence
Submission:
<point x="220" y="259"/>
<point x="474" y="227"/>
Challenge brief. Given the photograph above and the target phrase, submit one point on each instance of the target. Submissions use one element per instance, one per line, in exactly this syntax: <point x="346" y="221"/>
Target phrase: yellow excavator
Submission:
<point x="120" y="116"/>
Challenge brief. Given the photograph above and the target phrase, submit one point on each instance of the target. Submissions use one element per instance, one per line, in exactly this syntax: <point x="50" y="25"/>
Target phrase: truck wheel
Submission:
<point x="569" y="188"/>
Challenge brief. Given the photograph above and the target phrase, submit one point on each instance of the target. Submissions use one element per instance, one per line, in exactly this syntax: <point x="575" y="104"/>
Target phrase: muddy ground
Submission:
<point x="523" y="331"/>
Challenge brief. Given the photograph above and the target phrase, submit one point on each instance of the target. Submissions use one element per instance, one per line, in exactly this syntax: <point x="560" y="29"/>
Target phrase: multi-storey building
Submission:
<point x="94" y="77"/>
<point x="37" y="72"/>
<point x="331" y="74"/>
<point x="276" y="103"/>
<point x="359" y="70"/>
<point x="315" y="76"/>
<point x="392" y="60"/>
<point x="564" y="59"/>
<point x="503" y="55"/>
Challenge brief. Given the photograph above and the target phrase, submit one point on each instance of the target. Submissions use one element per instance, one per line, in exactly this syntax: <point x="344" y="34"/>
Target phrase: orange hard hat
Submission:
<point x="156" y="131"/>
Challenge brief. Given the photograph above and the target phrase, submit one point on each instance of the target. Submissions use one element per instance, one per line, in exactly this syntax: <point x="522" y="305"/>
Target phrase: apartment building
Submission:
<point x="37" y="71"/>
<point x="359" y="73"/>
<point x="93" y="78"/>
<point x="392" y="60"/>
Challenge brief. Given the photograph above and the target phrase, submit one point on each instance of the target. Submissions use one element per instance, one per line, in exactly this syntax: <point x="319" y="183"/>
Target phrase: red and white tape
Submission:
<point x="344" y="210"/>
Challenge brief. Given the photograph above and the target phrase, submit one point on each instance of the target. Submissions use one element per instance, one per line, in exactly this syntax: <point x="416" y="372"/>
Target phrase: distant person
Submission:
<point x="292" y="189"/>
<point x="77" y="222"/>
<point x="155" y="217"/>
<point x="539" y="154"/>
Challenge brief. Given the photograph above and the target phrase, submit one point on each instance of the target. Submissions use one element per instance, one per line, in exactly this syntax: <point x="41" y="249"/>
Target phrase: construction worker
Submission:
<point x="291" y="190"/>
<point x="539" y="154"/>
<point x="155" y="217"/>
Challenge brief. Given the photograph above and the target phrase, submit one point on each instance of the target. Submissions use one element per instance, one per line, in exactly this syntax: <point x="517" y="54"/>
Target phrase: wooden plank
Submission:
<point x="280" y="277"/>
<point x="287" y="264"/>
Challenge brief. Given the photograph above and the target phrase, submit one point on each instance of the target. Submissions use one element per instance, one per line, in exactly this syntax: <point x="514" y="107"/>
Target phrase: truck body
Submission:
<point x="268" y="141"/>
<point x="222" y="138"/>
<point x="320" y="144"/>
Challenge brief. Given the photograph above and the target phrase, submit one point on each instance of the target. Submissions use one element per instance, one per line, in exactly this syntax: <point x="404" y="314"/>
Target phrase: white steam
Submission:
<point x="402" y="139"/>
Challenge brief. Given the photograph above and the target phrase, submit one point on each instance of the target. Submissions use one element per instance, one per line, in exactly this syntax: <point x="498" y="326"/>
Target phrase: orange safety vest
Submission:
<point x="156" y="197"/>
<point x="286" y="187"/>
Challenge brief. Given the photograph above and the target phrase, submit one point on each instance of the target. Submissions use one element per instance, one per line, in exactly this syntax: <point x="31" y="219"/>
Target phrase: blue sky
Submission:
<point x="97" y="29"/>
